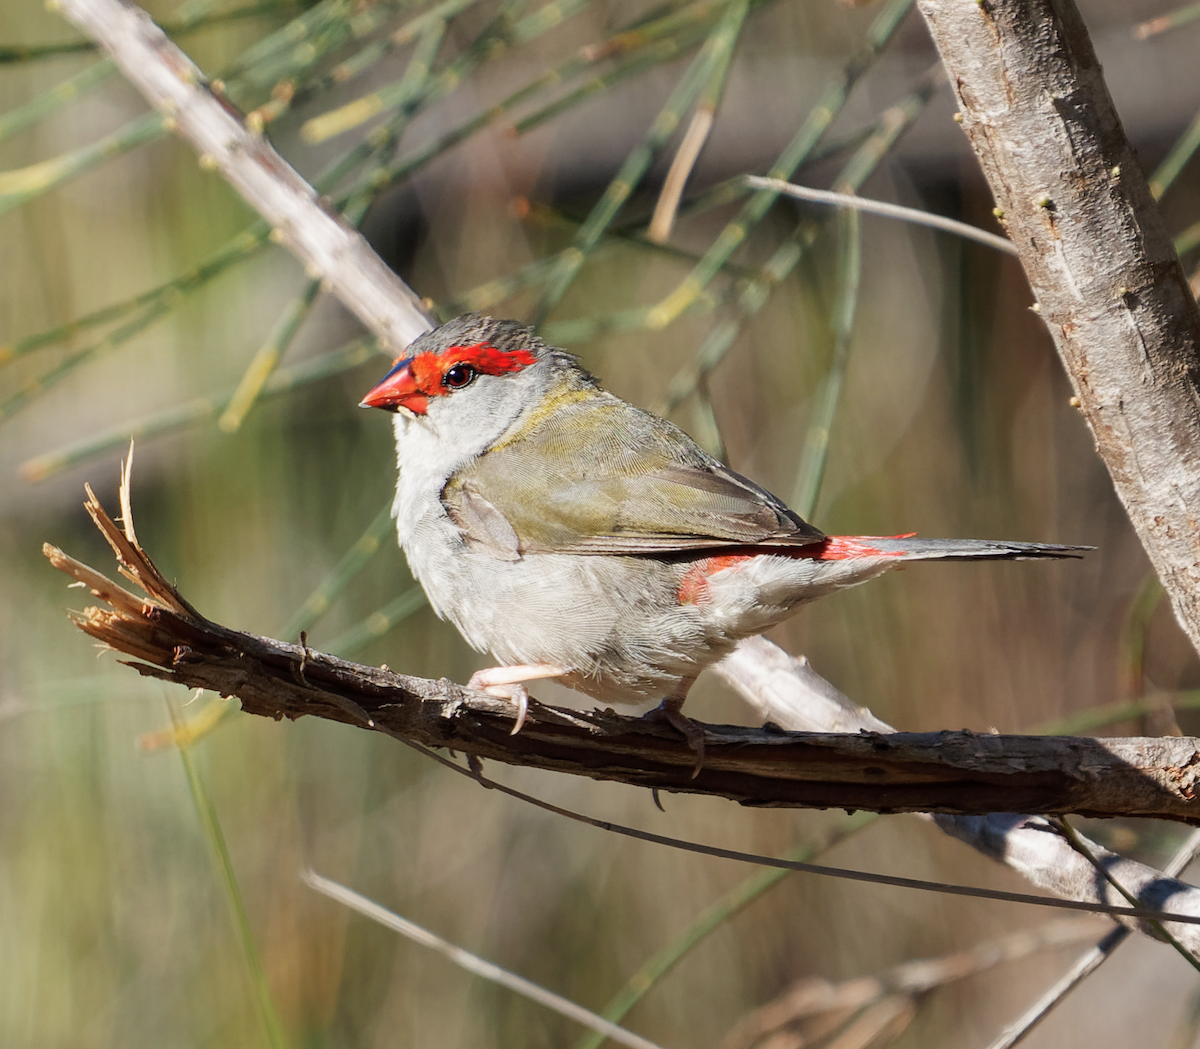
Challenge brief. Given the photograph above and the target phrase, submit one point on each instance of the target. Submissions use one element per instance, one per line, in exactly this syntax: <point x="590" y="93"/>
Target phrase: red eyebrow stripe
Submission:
<point x="486" y="359"/>
<point x="428" y="368"/>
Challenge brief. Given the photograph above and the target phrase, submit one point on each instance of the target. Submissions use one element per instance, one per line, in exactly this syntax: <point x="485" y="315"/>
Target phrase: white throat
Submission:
<point x="457" y="429"/>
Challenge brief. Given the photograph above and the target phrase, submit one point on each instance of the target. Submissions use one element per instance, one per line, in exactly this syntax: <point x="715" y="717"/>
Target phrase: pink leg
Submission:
<point x="507" y="683"/>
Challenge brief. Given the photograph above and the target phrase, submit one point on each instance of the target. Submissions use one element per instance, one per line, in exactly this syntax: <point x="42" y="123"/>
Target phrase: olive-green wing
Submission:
<point x="600" y="476"/>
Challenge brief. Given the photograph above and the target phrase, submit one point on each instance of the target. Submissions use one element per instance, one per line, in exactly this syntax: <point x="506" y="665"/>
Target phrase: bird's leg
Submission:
<point x="507" y="683"/>
<point x="670" y="710"/>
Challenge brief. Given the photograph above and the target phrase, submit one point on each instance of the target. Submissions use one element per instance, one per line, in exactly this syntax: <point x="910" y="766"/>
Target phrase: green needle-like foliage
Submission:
<point x="820" y="119"/>
<point x="755" y="293"/>
<point x="191" y="17"/>
<point x="379" y="622"/>
<point x="712" y="918"/>
<point x="1175" y="161"/>
<point x="53" y="100"/>
<point x="330" y="588"/>
<point x="215" y="839"/>
<point x="816" y="441"/>
<point x="203" y="409"/>
<point x="23" y="185"/>
<point x="718" y="45"/>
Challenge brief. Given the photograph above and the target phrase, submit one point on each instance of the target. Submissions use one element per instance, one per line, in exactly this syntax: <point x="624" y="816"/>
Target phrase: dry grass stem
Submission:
<point x="813" y="1007"/>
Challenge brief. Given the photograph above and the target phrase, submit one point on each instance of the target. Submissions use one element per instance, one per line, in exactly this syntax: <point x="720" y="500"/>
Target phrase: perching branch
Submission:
<point x="950" y="772"/>
<point x="327" y="246"/>
<point x="1105" y="277"/>
<point x="947" y="772"/>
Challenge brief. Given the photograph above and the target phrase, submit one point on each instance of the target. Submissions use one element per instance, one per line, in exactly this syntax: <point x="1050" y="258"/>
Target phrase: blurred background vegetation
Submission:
<point x="508" y="156"/>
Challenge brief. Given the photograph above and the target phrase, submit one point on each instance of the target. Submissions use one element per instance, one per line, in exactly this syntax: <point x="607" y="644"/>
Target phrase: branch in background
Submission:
<point x="1088" y="962"/>
<point x="1104" y="274"/>
<point x="328" y="247"/>
<point x="790" y="693"/>
<point x="881" y="207"/>
<point x="812" y="1007"/>
<point x="476" y="965"/>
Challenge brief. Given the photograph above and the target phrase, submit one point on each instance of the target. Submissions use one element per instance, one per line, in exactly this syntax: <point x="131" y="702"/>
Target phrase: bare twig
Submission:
<point x="1073" y="199"/>
<point x="328" y="247"/>
<point x="883" y="208"/>
<point x="1087" y="963"/>
<point x="663" y="219"/>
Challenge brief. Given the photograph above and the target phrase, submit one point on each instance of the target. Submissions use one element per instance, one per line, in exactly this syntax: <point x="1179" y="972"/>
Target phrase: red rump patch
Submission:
<point x="844" y="547"/>
<point x="693" y="589"/>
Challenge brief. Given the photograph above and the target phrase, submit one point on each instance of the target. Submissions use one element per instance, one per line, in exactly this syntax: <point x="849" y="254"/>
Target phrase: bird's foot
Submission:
<point x="508" y="683"/>
<point x="669" y="711"/>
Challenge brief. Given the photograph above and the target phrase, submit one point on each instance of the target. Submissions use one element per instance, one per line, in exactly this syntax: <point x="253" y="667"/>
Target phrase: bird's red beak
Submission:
<point x="398" y="390"/>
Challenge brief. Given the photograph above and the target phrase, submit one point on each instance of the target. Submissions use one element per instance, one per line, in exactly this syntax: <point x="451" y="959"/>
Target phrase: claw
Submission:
<point x="668" y="711"/>
<point x="519" y="694"/>
<point x="506" y="683"/>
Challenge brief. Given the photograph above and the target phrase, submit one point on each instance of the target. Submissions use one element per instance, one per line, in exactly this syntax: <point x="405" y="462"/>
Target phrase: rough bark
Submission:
<point x="1104" y="274"/>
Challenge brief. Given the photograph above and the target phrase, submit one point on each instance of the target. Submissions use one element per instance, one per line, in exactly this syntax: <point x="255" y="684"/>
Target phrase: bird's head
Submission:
<point x="470" y="379"/>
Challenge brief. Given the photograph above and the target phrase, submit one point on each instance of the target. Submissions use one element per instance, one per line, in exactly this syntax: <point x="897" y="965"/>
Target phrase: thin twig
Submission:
<point x="880" y="207"/>
<point x="814" y="998"/>
<point x="1077" y="843"/>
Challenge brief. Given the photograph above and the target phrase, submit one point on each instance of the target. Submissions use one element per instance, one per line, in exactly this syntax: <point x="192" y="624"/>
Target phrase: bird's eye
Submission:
<point x="458" y="376"/>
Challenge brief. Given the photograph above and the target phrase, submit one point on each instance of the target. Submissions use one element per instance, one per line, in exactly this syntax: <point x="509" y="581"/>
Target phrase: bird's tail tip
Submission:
<point x="978" y="549"/>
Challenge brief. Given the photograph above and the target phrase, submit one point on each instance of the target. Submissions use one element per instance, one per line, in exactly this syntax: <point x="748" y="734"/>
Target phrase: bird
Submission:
<point x="575" y="536"/>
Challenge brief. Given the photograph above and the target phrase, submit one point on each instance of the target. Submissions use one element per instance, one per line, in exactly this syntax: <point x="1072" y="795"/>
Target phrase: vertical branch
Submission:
<point x="1103" y="271"/>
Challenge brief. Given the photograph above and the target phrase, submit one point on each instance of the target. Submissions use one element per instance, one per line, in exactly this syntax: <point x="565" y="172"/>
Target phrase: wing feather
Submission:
<point x="599" y="476"/>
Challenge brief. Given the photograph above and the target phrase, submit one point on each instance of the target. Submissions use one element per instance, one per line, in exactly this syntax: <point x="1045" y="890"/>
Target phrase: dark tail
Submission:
<point x="912" y="548"/>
